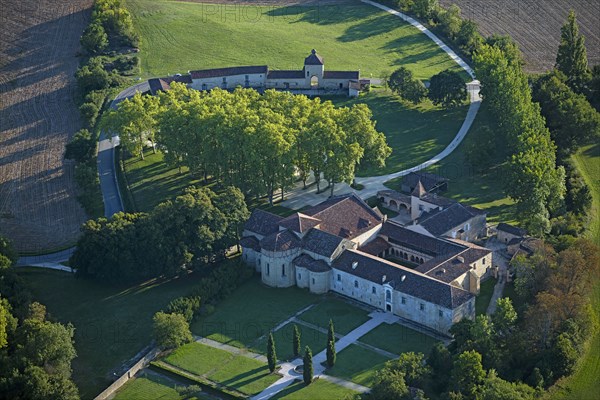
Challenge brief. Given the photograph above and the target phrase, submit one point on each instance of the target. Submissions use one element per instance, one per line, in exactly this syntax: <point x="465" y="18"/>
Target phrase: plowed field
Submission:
<point x="39" y="40"/>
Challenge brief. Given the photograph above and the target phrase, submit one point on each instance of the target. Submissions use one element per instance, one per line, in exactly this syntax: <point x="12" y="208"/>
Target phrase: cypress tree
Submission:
<point x="296" y="341"/>
<point x="307" y="372"/>
<point x="331" y="355"/>
<point x="271" y="354"/>
<point x="571" y="58"/>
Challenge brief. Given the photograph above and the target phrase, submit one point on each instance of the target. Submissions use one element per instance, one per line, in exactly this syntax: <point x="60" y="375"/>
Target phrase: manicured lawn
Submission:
<point x="414" y="132"/>
<point x="112" y="324"/>
<point x="358" y="365"/>
<point x="482" y="301"/>
<point x="151" y="386"/>
<point x="238" y="372"/>
<point x="250" y="312"/>
<point x="319" y="389"/>
<point x="346" y="317"/>
<point x="398" y="339"/>
<point x="178" y="36"/>
<point x="284" y="339"/>
<point x="481" y="189"/>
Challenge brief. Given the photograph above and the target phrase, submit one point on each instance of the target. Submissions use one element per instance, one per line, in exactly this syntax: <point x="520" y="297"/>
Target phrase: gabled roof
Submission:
<point x="429" y="181"/>
<point x="341" y="75"/>
<point x="402" y="279"/>
<point x="231" y="71"/>
<point x="262" y="222"/>
<point x="158" y="84"/>
<point x="448" y="269"/>
<point x="513" y="230"/>
<point x="280" y="241"/>
<point x="417" y="241"/>
<point x="250" y="242"/>
<point x="347" y="216"/>
<point x="439" y="222"/>
<point x="285" y="74"/>
<point x="375" y="246"/>
<point x="322" y="243"/>
<point x="395" y="195"/>
<point x="313" y="59"/>
<point x="299" y="222"/>
<point x="306" y="261"/>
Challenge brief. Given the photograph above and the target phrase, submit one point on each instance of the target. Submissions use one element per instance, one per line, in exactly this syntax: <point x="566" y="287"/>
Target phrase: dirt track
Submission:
<point x="38" y="44"/>
<point x="535" y="25"/>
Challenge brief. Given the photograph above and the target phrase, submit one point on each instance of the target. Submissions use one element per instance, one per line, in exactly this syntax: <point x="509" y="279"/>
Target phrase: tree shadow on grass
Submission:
<point x="245" y="378"/>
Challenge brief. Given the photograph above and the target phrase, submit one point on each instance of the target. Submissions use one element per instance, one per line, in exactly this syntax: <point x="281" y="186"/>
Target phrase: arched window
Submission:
<point x="412" y="258"/>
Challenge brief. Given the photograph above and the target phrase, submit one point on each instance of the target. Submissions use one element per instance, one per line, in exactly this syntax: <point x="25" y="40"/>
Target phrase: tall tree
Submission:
<point x="571" y="58"/>
<point x="307" y="366"/>
<point x="271" y="353"/>
<point x="171" y="330"/>
<point x="296" y="341"/>
<point x="135" y="122"/>
<point x="331" y="355"/>
<point x="468" y="374"/>
<point x="406" y="86"/>
<point x="447" y="88"/>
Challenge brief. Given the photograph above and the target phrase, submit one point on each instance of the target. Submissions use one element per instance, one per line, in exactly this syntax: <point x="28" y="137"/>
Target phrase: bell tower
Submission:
<point x="314" y="67"/>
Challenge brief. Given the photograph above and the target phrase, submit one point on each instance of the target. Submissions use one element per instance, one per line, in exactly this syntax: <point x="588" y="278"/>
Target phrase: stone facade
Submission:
<point x="344" y="246"/>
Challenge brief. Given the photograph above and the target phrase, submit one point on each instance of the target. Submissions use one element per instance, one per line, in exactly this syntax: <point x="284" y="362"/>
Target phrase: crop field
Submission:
<point x="535" y="25"/>
<point x="182" y="36"/>
<point x="38" y="45"/>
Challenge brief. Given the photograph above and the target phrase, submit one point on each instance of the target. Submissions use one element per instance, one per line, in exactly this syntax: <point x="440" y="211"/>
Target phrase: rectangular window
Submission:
<point x="404" y="300"/>
<point x="268" y="269"/>
<point x="374" y="291"/>
<point x="339" y="277"/>
<point x="283" y="270"/>
<point x="440" y="313"/>
<point x="313" y="281"/>
<point x="422" y="307"/>
<point x="299" y="276"/>
<point x="483" y="260"/>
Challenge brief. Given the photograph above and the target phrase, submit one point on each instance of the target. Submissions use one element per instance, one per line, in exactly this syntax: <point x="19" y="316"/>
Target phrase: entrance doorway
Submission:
<point x="314" y="82"/>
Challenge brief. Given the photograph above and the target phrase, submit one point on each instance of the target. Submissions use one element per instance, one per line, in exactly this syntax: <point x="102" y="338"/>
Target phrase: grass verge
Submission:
<point x="358" y="365"/>
<point x="398" y="339"/>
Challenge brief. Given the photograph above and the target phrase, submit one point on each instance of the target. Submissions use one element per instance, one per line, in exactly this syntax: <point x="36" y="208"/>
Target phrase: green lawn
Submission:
<point x="346" y="317"/>
<point x="250" y="312"/>
<point x="358" y="365"/>
<point x="398" y="339"/>
<point x="414" y="132"/>
<point x="481" y="189"/>
<point x="179" y="36"/>
<point x="319" y="389"/>
<point x="234" y="371"/>
<point x="112" y="324"/>
<point x="482" y="301"/>
<point x="152" y="386"/>
<point x="587" y="161"/>
<point x="284" y="339"/>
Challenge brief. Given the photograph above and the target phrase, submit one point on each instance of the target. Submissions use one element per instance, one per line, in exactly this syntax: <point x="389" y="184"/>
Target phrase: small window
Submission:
<point x="421" y="207"/>
<point x="268" y="269"/>
<point x="388" y="296"/>
<point x="355" y="284"/>
<point x="299" y="276"/>
<point x="422" y="307"/>
<point x="404" y="300"/>
<point x="224" y="80"/>
<point x="483" y="260"/>
<point x="374" y="290"/>
<point x="440" y="313"/>
<point x="313" y="280"/>
<point x="307" y="73"/>
<point x="247" y="77"/>
<point x="283" y="270"/>
<point x="339" y="277"/>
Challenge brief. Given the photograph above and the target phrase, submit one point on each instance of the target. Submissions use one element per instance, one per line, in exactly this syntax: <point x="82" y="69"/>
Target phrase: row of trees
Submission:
<point x="446" y="88"/>
<point x="35" y="353"/>
<point x="259" y="143"/>
<point x="189" y="232"/>
<point x="111" y="25"/>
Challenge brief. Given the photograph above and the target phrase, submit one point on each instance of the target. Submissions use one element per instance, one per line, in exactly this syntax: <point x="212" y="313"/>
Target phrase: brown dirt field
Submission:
<point x="38" y="44"/>
<point x="535" y="25"/>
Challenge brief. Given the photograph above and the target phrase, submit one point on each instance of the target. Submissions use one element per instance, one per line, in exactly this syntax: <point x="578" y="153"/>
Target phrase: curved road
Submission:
<point x="297" y="197"/>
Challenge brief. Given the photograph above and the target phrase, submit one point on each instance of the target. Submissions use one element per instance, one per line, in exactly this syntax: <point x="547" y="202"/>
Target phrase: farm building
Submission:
<point x="344" y="246"/>
<point x="312" y="79"/>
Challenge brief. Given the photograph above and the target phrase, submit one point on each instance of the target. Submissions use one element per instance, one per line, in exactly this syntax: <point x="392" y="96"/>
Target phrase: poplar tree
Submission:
<point x="296" y="341"/>
<point x="307" y="372"/>
<point x="331" y="355"/>
<point x="271" y="354"/>
<point x="571" y="58"/>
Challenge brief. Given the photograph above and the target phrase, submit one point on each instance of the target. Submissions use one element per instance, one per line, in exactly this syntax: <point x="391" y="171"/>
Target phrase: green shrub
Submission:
<point x="186" y="306"/>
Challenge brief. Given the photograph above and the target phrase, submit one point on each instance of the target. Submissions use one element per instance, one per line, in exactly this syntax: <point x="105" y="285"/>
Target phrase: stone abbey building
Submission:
<point x="345" y="246"/>
<point x="313" y="78"/>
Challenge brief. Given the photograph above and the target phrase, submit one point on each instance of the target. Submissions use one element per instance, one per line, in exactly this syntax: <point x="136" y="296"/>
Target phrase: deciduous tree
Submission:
<point x="571" y="58"/>
<point x="171" y="330"/>
<point x="448" y="89"/>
